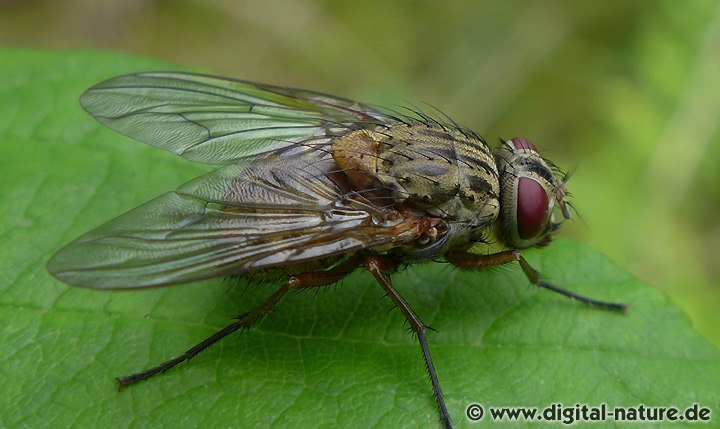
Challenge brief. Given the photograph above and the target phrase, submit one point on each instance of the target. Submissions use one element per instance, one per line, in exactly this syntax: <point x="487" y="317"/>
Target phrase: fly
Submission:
<point x="309" y="188"/>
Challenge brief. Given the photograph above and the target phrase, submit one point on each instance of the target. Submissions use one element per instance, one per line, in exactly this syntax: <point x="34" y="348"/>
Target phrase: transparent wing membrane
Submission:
<point x="242" y="217"/>
<point x="277" y="200"/>
<point x="217" y="120"/>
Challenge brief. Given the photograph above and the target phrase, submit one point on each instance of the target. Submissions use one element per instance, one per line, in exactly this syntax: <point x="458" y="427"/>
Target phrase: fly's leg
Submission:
<point x="379" y="267"/>
<point x="245" y="320"/>
<point x="473" y="261"/>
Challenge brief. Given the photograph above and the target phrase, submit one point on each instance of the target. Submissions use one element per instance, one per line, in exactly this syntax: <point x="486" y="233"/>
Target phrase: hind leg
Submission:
<point x="246" y="320"/>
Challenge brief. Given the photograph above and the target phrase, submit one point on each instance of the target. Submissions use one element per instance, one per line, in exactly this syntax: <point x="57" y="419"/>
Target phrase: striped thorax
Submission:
<point x="444" y="172"/>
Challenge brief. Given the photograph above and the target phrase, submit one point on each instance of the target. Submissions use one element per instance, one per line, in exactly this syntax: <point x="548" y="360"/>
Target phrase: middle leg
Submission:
<point x="379" y="267"/>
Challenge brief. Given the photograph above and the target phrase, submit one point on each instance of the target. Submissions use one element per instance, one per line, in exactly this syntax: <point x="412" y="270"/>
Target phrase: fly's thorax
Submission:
<point x="442" y="171"/>
<point x="530" y="190"/>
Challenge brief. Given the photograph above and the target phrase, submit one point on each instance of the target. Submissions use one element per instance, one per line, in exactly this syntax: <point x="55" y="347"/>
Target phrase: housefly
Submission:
<point x="309" y="188"/>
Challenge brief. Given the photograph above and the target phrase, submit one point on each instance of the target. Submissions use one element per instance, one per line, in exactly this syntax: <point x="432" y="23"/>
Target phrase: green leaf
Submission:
<point x="336" y="358"/>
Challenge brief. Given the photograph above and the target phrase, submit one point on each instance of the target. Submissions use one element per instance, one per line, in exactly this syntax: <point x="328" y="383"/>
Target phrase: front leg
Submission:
<point x="473" y="261"/>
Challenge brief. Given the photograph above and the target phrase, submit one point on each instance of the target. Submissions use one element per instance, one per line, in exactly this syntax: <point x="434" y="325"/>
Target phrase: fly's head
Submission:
<point x="532" y="195"/>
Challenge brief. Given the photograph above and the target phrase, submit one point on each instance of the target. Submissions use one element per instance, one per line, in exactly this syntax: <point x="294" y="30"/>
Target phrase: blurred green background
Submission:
<point x="624" y="93"/>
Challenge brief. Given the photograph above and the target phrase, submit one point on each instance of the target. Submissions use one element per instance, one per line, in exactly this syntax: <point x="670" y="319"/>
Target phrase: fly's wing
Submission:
<point x="216" y="120"/>
<point x="239" y="218"/>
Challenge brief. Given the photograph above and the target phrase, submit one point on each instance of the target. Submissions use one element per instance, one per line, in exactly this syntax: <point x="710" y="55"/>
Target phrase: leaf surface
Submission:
<point x="336" y="358"/>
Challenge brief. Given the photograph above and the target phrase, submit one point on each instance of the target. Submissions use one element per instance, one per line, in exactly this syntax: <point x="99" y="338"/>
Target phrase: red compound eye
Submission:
<point x="521" y="143"/>
<point x="532" y="208"/>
